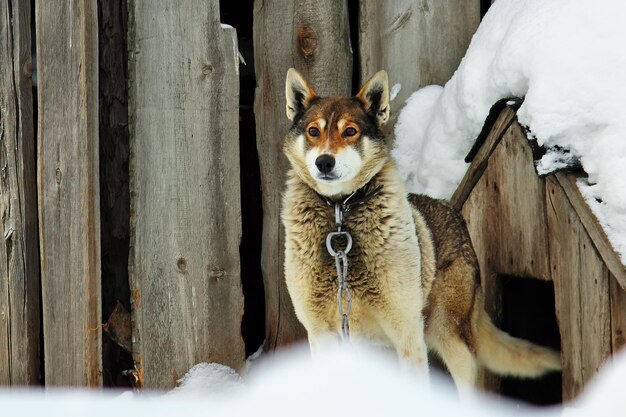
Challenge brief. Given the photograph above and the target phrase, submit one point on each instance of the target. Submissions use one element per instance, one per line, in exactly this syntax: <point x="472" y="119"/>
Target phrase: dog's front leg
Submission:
<point x="406" y="334"/>
<point x="320" y="341"/>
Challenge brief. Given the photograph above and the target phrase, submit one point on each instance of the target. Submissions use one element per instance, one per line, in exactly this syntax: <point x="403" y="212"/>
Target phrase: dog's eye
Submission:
<point x="349" y="131"/>
<point x="313" y="131"/>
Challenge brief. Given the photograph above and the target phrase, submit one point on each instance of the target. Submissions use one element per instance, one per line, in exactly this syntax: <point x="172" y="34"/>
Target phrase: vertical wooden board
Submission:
<point x="521" y="247"/>
<point x="419" y="42"/>
<point x="596" y="314"/>
<point x="581" y="284"/>
<point x="618" y="315"/>
<point x="19" y="252"/>
<point x="68" y="192"/>
<point x="69" y="204"/>
<point x="313" y="37"/>
<point x="187" y="301"/>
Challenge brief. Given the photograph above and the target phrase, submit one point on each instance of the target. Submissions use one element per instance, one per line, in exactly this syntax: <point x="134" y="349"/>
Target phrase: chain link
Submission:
<point x="341" y="263"/>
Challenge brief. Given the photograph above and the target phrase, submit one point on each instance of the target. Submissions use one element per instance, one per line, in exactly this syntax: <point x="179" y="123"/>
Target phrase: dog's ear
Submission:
<point x="298" y="93"/>
<point x="375" y="97"/>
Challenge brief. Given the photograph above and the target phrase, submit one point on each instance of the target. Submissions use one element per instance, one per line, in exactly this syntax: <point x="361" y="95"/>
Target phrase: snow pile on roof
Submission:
<point x="568" y="59"/>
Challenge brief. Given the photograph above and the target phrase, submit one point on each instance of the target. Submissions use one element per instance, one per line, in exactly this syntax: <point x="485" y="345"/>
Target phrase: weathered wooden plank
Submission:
<point x="480" y="161"/>
<point x="618" y="315"/>
<point x="187" y="301"/>
<point x="19" y="251"/>
<point x="69" y="204"/>
<point x="589" y="220"/>
<point x="418" y="42"/>
<point x="506" y="207"/>
<point x="312" y="36"/>
<point x="520" y="248"/>
<point x="581" y="284"/>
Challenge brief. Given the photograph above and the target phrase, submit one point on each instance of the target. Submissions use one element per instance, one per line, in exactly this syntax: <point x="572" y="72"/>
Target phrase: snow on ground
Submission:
<point x="568" y="59"/>
<point x="345" y="381"/>
<point x="341" y="382"/>
<point x="209" y="380"/>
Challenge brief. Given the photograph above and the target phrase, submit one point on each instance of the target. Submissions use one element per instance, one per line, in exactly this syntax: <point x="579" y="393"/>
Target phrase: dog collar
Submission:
<point x="360" y="196"/>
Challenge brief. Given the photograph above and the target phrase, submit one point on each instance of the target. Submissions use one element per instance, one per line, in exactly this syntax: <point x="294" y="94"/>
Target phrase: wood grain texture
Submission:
<point x="419" y="42"/>
<point x="505" y="210"/>
<point x="19" y="251"/>
<point x="187" y="301"/>
<point x="593" y="227"/>
<point x="581" y="285"/>
<point x="313" y="37"/>
<point x="521" y="242"/>
<point x="618" y="315"/>
<point x="69" y="208"/>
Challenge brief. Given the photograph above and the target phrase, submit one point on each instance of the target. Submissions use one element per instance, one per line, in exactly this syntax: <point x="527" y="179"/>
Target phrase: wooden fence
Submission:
<point x="122" y="184"/>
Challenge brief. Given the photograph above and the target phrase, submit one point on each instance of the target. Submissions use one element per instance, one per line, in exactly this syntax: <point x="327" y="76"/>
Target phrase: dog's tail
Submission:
<point x="504" y="354"/>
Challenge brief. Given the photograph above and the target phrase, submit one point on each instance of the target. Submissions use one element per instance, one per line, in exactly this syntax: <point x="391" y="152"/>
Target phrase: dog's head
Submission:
<point x="336" y="144"/>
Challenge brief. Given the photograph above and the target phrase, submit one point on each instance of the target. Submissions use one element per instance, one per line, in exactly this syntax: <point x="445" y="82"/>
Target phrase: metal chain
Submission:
<point x="341" y="262"/>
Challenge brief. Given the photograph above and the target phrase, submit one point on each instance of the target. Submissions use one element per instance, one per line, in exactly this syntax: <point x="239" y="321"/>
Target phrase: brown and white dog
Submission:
<point x="412" y="272"/>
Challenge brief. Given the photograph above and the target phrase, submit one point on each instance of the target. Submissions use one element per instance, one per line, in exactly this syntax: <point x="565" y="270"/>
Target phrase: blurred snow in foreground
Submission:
<point x="344" y="381"/>
<point x="568" y="59"/>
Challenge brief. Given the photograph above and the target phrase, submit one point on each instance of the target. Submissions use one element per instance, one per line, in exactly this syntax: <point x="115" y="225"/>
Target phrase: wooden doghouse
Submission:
<point x="540" y="231"/>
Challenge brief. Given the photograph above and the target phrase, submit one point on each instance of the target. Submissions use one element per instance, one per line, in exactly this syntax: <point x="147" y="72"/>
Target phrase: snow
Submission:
<point x="567" y="58"/>
<point x="395" y="89"/>
<point x="351" y="380"/>
<point x="209" y="380"/>
<point x="253" y="359"/>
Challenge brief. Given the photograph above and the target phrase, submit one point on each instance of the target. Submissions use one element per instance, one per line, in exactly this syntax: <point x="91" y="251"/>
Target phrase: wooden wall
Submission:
<point x="19" y="252"/>
<point x="526" y="226"/>
<point x="124" y="183"/>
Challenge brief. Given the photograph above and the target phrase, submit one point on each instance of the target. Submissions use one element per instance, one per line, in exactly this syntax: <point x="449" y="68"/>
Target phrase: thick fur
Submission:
<point x="412" y="271"/>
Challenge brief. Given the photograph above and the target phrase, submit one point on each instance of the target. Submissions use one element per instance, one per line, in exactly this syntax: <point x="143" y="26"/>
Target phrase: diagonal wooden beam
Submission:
<point x="592" y="226"/>
<point x="481" y="160"/>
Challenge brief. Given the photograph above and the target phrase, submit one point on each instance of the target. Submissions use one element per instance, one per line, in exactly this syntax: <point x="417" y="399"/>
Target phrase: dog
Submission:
<point x="412" y="271"/>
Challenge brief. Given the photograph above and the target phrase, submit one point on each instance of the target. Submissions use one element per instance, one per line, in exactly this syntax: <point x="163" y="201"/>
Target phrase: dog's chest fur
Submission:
<point x="385" y="254"/>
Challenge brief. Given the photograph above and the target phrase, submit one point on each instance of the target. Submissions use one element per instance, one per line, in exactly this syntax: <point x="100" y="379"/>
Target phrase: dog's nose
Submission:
<point x="325" y="163"/>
